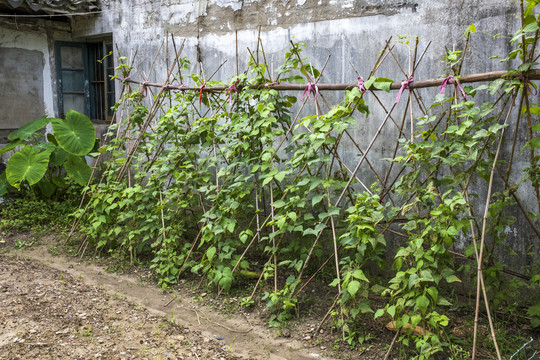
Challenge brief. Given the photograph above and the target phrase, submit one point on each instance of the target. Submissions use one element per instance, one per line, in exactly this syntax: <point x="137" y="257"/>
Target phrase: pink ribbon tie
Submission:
<point x="450" y="80"/>
<point x="271" y="84"/>
<point x="144" y="84"/>
<point x="360" y="84"/>
<point x="446" y="81"/>
<point x="230" y="90"/>
<point x="404" y="85"/>
<point x="310" y="88"/>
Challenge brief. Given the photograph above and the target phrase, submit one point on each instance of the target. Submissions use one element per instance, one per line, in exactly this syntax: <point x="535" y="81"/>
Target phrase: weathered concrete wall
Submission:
<point x="348" y="30"/>
<point x="21" y="85"/>
<point x="27" y="70"/>
<point x="28" y="85"/>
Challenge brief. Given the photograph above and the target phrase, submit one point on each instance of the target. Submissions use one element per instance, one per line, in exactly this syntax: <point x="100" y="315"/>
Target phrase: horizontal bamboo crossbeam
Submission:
<point x="489" y="76"/>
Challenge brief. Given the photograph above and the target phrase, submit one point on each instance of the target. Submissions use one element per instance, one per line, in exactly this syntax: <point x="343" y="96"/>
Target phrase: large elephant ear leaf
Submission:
<point x="76" y="134"/>
<point x="4" y="185"/>
<point x="10" y="146"/>
<point x="25" y="131"/>
<point x="78" y="170"/>
<point x="27" y="165"/>
<point x="46" y="187"/>
<point x="58" y="156"/>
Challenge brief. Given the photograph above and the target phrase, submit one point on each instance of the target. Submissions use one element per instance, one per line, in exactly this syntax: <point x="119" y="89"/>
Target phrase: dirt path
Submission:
<point x="52" y="307"/>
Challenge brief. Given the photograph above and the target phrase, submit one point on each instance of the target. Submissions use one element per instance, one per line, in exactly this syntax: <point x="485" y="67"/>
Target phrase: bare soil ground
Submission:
<point x="57" y="307"/>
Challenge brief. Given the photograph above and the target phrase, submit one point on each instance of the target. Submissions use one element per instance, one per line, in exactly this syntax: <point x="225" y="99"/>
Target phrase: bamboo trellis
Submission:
<point x="412" y="102"/>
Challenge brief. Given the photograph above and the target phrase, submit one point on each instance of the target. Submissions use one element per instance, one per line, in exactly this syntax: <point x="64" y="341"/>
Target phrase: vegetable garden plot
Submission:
<point x="211" y="177"/>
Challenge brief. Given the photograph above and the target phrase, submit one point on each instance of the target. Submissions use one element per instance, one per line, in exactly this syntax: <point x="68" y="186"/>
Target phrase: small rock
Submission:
<point x="307" y="338"/>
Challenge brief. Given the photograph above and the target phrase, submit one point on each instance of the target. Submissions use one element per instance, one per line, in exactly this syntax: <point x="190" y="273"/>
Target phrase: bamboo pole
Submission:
<point x="533" y="74"/>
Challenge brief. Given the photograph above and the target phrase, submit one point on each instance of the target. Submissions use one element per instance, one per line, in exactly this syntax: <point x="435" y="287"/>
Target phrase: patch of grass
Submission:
<point x="28" y="214"/>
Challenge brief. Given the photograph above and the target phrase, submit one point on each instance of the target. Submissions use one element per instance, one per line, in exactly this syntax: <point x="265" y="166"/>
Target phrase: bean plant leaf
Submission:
<point x="380" y="83"/>
<point x="415" y="319"/>
<point x="75" y="134"/>
<point x="534" y="310"/>
<point x="378" y="313"/>
<point x="364" y="308"/>
<point x="422" y="303"/>
<point x="25" y="131"/>
<point x="226" y="278"/>
<point x="452" y="278"/>
<point x="359" y="274"/>
<point x="470" y="29"/>
<point x="78" y="170"/>
<point x="210" y="253"/>
<point x="535" y="142"/>
<point x="353" y="287"/>
<point x="27" y="165"/>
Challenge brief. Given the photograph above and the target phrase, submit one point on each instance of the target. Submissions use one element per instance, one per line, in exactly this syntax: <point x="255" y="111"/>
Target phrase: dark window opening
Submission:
<point x="84" y="79"/>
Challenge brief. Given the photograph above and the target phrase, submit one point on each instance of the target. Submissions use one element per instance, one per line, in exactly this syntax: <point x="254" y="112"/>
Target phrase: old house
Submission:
<point x="45" y="69"/>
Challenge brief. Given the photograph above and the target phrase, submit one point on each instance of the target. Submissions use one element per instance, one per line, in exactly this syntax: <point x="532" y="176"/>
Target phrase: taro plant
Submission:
<point x="44" y="159"/>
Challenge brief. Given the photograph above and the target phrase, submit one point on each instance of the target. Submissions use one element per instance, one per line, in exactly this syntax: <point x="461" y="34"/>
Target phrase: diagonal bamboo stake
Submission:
<point x="327" y="313"/>
<point x="274" y="250"/>
<point x="151" y="115"/>
<point x="480" y="253"/>
<point x="530" y="131"/>
<point x="336" y="258"/>
<point x="317" y="272"/>
<point x="518" y="202"/>
<point x="365" y="154"/>
<point x="396" y="148"/>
